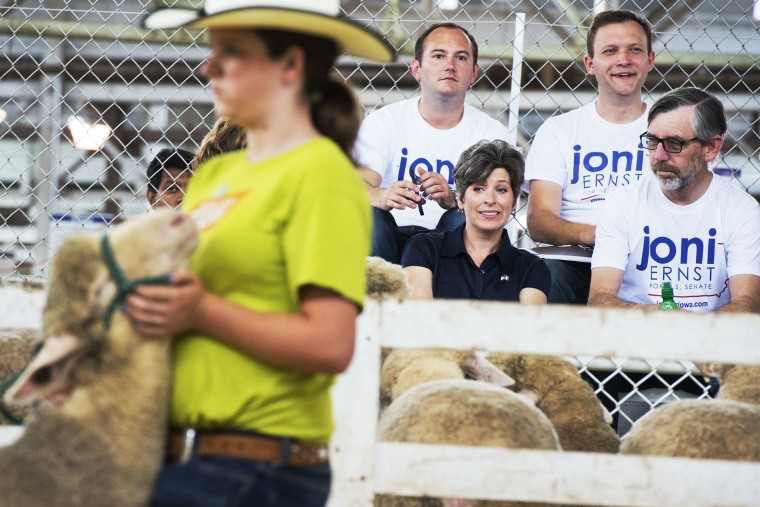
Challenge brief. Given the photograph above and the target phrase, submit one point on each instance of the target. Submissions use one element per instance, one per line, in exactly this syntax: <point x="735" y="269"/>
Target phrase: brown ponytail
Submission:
<point x="335" y="113"/>
<point x="334" y="109"/>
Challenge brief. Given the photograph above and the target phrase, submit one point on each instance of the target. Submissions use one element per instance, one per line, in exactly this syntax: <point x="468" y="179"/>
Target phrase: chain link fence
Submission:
<point x="87" y="99"/>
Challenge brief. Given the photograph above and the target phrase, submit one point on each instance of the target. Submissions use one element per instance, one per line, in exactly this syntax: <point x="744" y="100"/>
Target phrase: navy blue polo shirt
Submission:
<point x="501" y="276"/>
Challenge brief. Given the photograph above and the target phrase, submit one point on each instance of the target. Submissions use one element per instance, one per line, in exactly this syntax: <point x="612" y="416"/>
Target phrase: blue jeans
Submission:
<point x="388" y="239"/>
<point x="227" y="482"/>
<point x="570" y="281"/>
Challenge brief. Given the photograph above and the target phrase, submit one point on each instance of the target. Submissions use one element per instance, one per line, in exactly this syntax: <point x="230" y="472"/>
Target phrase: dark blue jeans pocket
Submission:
<point x="302" y="486"/>
<point x="223" y="482"/>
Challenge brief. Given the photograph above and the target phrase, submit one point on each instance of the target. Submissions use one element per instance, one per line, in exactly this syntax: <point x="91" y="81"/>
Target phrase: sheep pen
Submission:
<point x="457" y="412"/>
<point x="366" y="467"/>
<point x="98" y="437"/>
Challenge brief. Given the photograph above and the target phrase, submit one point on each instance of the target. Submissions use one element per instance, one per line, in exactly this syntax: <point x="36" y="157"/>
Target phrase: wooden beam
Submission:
<point x="563" y="477"/>
<point x="93" y="31"/>
<point x="566" y="329"/>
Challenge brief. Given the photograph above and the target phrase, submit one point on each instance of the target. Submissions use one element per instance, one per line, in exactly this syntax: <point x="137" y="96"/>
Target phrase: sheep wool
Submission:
<point x="740" y="383"/>
<point x="398" y="360"/>
<point x="463" y="412"/>
<point x="698" y="429"/>
<point x="385" y="279"/>
<point x="99" y="439"/>
<point x="403" y="369"/>
<point x="725" y="428"/>
<point x="566" y="399"/>
<point x="16" y="347"/>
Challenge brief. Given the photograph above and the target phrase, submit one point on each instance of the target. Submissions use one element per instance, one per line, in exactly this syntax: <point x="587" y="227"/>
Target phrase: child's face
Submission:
<point x="171" y="189"/>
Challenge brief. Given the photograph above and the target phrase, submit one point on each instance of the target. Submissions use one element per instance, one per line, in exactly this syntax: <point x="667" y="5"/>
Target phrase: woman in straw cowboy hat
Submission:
<point x="265" y="317"/>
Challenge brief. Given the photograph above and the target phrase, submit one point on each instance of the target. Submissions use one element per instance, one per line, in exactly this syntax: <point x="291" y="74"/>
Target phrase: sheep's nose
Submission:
<point x="42" y="376"/>
<point x="179" y="219"/>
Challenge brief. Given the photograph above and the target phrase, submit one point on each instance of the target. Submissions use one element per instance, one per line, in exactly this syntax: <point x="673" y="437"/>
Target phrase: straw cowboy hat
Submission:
<point x="314" y="17"/>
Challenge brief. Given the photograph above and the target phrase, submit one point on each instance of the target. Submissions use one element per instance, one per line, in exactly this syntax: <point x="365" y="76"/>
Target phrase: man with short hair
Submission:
<point x="578" y="158"/>
<point x="422" y="138"/>
<point x="686" y="225"/>
<point x="168" y="174"/>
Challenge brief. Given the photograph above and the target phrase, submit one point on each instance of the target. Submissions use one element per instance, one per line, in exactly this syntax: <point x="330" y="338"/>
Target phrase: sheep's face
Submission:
<point x="155" y="244"/>
<point x="76" y="342"/>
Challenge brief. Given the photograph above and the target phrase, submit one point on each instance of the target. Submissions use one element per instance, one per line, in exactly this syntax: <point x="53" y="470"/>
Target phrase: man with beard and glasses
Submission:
<point x="685" y="225"/>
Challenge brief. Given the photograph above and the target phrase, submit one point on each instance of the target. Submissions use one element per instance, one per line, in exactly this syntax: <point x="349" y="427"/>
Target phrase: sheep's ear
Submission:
<point x="480" y="368"/>
<point x="47" y="375"/>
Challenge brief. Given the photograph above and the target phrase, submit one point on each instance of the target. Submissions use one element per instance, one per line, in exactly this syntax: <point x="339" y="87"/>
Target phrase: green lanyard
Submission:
<point x="123" y="286"/>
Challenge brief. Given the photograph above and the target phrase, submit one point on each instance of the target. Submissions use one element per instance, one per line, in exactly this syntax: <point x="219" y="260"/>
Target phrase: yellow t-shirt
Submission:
<point x="269" y="228"/>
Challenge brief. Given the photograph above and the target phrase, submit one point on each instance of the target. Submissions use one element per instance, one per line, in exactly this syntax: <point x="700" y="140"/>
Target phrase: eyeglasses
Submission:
<point x="670" y="145"/>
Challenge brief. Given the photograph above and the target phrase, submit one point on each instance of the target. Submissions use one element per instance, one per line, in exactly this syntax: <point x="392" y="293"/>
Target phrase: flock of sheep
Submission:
<point x="99" y="392"/>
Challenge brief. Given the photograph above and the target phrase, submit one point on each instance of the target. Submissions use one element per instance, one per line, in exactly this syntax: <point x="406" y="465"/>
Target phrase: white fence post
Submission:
<point x="355" y="399"/>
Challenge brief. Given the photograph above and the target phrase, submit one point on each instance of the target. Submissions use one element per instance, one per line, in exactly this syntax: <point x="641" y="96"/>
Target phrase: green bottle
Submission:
<point x="667" y="298"/>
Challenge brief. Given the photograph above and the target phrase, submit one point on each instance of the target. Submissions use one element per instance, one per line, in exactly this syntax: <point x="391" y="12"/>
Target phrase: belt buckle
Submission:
<point x="310" y="454"/>
<point x="188" y="445"/>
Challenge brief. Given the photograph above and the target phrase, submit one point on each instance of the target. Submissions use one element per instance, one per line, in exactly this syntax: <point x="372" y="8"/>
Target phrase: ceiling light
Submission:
<point x="447" y="5"/>
<point x="86" y="135"/>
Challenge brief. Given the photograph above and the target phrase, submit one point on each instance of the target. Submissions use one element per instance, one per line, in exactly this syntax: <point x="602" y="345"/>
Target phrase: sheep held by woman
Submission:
<point x="99" y="439"/>
<point x="725" y="428"/>
<point x="581" y="421"/>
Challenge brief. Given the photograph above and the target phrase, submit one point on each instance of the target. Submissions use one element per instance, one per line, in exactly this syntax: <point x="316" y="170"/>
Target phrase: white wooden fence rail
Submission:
<point x="364" y="467"/>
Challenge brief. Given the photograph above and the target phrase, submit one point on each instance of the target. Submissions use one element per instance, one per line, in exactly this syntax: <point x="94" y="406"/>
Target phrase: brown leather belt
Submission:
<point x="184" y="444"/>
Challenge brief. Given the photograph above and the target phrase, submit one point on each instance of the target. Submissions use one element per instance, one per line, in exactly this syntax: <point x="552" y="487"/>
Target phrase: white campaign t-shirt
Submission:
<point x="696" y="247"/>
<point x="588" y="157"/>
<point x="396" y="137"/>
